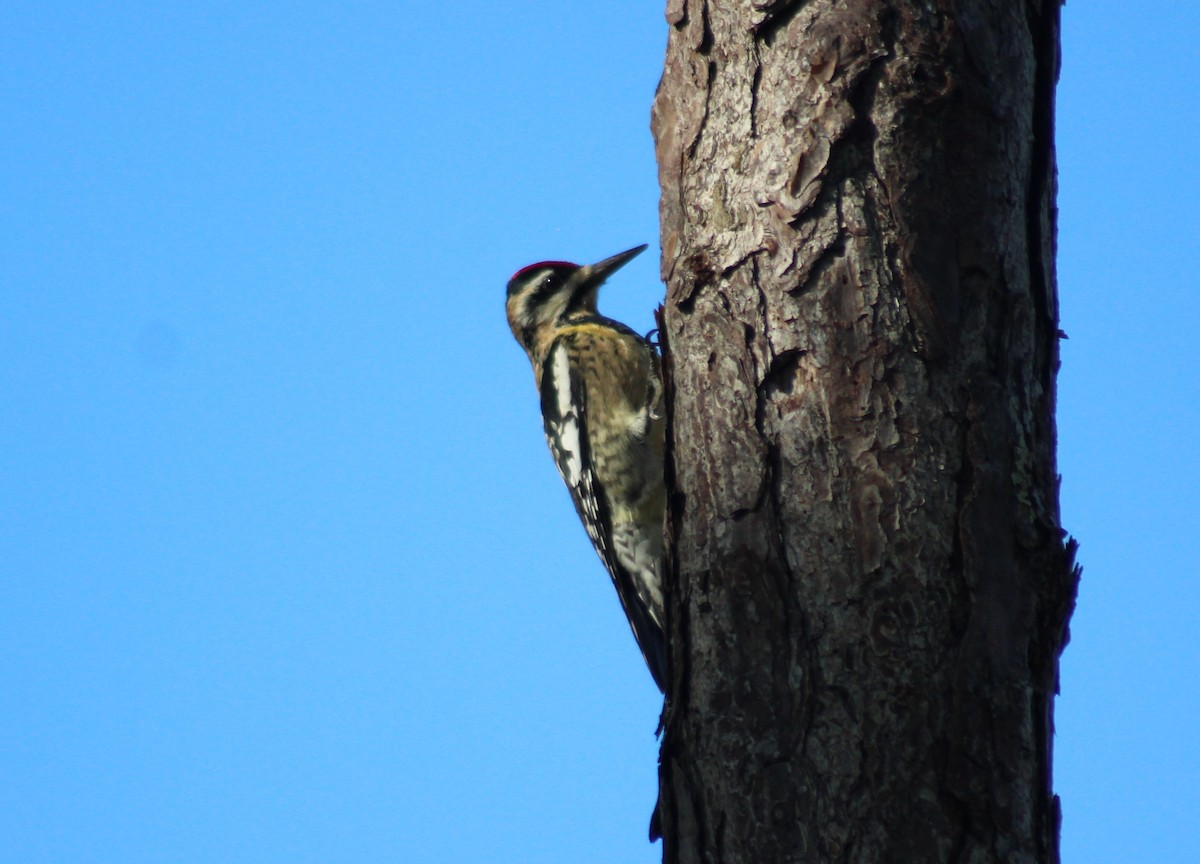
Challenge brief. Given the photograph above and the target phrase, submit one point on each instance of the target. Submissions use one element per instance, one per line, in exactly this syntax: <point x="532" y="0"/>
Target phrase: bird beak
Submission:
<point x="601" y="270"/>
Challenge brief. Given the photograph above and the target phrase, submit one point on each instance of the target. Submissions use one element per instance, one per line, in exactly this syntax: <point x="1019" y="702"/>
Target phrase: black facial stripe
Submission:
<point x="549" y="287"/>
<point x="576" y="300"/>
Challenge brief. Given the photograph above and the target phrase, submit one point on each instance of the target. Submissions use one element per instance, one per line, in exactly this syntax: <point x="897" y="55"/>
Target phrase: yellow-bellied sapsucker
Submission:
<point x="601" y="390"/>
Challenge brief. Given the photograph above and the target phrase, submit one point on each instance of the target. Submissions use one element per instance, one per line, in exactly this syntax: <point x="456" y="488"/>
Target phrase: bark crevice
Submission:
<point x="868" y="584"/>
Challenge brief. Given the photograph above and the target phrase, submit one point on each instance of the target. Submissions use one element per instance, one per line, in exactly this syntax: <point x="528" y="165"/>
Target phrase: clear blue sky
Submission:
<point x="286" y="574"/>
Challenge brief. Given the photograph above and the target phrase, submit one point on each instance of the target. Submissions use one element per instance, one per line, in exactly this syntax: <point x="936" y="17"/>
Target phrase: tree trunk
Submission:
<point x="868" y="583"/>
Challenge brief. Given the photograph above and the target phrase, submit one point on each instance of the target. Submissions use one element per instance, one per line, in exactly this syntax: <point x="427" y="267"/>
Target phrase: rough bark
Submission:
<point x="868" y="583"/>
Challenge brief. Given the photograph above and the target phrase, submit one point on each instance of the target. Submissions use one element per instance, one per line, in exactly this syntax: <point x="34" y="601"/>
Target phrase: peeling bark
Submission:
<point x="869" y="589"/>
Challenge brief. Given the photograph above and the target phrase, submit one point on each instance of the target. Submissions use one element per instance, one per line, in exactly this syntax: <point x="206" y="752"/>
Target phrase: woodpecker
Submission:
<point x="601" y="392"/>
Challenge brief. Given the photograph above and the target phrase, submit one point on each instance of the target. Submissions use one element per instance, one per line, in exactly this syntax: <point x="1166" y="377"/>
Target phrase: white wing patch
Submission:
<point x="569" y="444"/>
<point x="563" y="393"/>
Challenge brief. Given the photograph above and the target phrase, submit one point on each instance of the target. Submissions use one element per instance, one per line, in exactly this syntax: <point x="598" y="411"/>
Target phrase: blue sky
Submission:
<point x="286" y="573"/>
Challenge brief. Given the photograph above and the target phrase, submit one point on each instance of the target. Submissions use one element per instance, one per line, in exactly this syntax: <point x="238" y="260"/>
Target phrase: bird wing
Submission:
<point x="564" y="411"/>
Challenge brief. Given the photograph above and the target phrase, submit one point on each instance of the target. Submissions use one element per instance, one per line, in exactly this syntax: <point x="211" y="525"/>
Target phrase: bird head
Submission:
<point x="543" y="295"/>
